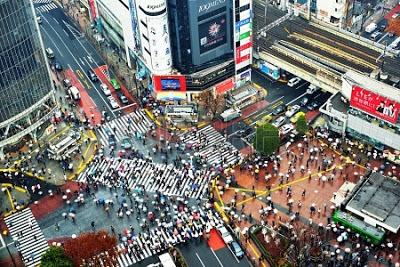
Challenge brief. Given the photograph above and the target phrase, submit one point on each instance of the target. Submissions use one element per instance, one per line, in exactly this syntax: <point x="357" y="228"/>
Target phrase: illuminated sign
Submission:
<point x="374" y="104"/>
<point x="169" y="83"/>
<point x="212" y="33"/>
<point x="205" y="7"/>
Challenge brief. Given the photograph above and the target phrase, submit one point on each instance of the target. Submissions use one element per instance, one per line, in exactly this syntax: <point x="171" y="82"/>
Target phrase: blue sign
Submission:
<point x="241" y="23"/>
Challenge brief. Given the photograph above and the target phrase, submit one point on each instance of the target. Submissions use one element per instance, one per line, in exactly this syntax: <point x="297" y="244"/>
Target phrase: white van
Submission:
<point x="74" y="93"/>
<point x="49" y="52"/>
<point x="292" y="82"/>
<point x="312" y="89"/>
<point x="371" y="28"/>
<point x="230" y="114"/>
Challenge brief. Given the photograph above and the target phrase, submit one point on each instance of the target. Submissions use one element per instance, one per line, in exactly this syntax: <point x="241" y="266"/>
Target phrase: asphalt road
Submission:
<point x="72" y="50"/>
<point x="200" y="254"/>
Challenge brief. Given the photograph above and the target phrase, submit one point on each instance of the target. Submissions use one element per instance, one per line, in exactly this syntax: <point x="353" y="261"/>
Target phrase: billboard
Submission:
<point x="212" y="33"/>
<point x="169" y="83"/>
<point x="374" y="104"/>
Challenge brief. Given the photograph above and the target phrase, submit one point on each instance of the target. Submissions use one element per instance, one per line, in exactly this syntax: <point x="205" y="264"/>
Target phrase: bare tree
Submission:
<point x="211" y="102"/>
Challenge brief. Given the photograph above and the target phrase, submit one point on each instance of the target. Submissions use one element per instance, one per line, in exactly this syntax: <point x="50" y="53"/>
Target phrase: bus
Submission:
<point x="242" y="99"/>
<point x="64" y="147"/>
<point x="181" y="113"/>
<point x="269" y="69"/>
<point x="373" y="234"/>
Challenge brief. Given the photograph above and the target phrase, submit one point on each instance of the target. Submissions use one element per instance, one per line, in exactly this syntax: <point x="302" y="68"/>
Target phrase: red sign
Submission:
<point x="241" y="59"/>
<point x="374" y="104"/>
<point x="224" y="86"/>
<point x="92" y="6"/>
<point x="169" y="83"/>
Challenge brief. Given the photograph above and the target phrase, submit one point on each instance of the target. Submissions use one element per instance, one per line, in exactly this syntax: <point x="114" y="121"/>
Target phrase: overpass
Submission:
<point x="318" y="52"/>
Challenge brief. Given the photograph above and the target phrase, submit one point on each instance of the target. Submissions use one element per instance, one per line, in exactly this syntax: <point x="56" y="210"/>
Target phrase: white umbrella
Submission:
<point x="73" y="236"/>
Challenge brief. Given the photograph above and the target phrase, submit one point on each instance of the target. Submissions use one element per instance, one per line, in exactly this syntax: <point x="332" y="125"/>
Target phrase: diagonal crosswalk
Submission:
<point x="28" y="236"/>
<point x="213" y="146"/>
<point x="162" y="237"/>
<point x="136" y="121"/>
<point x="46" y="7"/>
<point x="153" y="177"/>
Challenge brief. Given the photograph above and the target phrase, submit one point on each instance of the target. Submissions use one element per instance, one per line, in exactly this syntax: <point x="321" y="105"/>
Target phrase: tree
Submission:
<point x="55" y="257"/>
<point x="301" y="125"/>
<point x="214" y="104"/>
<point x="90" y="248"/>
<point x="267" y="139"/>
<point x="394" y="26"/>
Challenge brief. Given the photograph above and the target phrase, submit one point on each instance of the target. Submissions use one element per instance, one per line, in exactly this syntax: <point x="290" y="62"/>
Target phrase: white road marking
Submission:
<point x="201" y="262"/>
<point x="220" y="263"/>
<point x="297" y="98"/>
<point x="51" y="40"/>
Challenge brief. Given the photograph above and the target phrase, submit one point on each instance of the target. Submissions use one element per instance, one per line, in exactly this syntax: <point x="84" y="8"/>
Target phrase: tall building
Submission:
<point x="26" y="89"/>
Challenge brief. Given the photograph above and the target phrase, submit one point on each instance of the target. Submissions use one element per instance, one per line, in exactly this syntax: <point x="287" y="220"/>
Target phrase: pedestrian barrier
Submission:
<point x="27" y="236"/>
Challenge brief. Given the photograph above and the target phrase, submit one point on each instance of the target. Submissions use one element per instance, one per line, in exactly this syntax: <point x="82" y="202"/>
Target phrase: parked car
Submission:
<point x="278" y="110"/>
<point x="67" y="83"/>
<point x="114" y="104"/>
<point x="304" y="101"/>
<point x="124" y="100"/>
<point x="57" y="66"/>
<point x="115" y="84"/>
<point x="237" y="250"/>
<point x="376" y="35"/>
<point x="292" y="110"/>
<point x="105" y="89"/>
<point x="313" y="105"/>
<point x="285" y="129"/>
<point x="264" y="120"/>
<point x="92" y="75"/>
<point x="279" y="121"/>
<point x="296" y="117"/>
<point x="312" y="89"/>
<point x="292" y="82"/>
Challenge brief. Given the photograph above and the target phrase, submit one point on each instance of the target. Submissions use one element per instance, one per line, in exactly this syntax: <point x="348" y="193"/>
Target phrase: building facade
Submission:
<point x="26" y="89"/>
<point x="365" y="109"/>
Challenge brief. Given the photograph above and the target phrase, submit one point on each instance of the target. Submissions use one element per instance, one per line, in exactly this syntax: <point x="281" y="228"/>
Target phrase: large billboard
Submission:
<point x="169" y="83"/>
<point x="374" y="104"/>
<point x="212" y="33"/>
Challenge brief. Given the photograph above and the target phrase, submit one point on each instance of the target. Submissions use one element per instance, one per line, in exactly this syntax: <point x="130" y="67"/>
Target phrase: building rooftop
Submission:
<point x="377" y="199"/>
<point x="338" y="102"/>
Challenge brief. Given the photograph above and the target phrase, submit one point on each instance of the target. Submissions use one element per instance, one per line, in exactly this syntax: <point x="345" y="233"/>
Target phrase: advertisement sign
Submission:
<point x="212" y="33"/>
<point x="169" y="83"/>
<point x="224" y="86"/>
<point x="92" y="6"/>
<point x="374" y="104"/>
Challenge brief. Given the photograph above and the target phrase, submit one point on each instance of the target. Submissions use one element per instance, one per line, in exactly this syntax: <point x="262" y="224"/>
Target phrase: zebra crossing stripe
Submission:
<point x="42" y="1"/>
<point x="32" y="243"/>
<point x="46" y="7"/>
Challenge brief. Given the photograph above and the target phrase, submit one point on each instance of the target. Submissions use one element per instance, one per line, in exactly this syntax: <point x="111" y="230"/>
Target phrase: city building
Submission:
<point x="365" y="109"/>
<point x="26" y="89"/>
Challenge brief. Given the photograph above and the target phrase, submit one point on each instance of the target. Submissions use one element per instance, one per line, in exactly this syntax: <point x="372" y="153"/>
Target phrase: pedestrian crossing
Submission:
<point x="138" y="173"/>
<point x="28" y="236"/>
<point x="127" y="125"/>
<point x="212" y="146"/>
<point x="42" y="1"/>
<point x="162" y="237"/>
<point x="45" y="8"/>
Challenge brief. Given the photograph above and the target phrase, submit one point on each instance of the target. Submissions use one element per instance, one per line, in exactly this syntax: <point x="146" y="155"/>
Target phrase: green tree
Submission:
<point x="55" y="257"/>
<point x="301" y="125"/>
<point x="267" y="139"/>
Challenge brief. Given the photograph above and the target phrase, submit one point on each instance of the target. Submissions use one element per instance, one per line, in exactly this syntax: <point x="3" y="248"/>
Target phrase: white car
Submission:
<point x="292" y="82"/>
<point x="114" y="104"/>
<point x="287" y="128"/>
<point x="279" y="121"/>
<point x="292" y="110"/>
<point x="226" y="236"/>
<point x="105" y="89"/>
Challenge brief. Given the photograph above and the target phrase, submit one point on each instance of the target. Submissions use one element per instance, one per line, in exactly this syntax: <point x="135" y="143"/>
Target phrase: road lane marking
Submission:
<point x="76" y="61"/>
<point x="51" y="40"/>
<point x="201" y="262"/>
<point x="83" y="63"/>
<point x="219" y="261"/>
<point x="85" y="59"/>
<point x="297" y="98"/>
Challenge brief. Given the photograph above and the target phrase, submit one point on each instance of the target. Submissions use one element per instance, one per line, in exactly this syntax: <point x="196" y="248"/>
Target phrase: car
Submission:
<point x="92" y="75"/>
<point x="296" y="117"/>
<point x="395" y="15"/>
<point x="105" y="89"/>
<point x="264" y="120"/>
<point x="124" y="100"/>
<point x="236" y="249"/>
<point x="278" y="110"/>
<point x="226" y="236"/>
<point x="285" y="129"/>
<point x="49" y="53"/>
<point x="126" y="142"/>
<point x="391" y="34"/>
<point x="313" y="105"/>
<point x="292" y="82"/>
<point x="279" y="121"/>
<point x="292" y="110"/>
<point x="114" y="104"/>
<point x="245" y="132"/>
<point x="312" y="89"/>
<point x="115" y="84"/>
<point x="376" y="35"/>
<point x="304" y="101"/>
<point x="39" y="19"/>
<point x="67" y="83"/>
<point x="111" y="137"/>
<point x="57" y="66"/>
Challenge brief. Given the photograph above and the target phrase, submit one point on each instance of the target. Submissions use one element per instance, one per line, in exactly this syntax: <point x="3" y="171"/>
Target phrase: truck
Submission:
<point x="230" y="114"/>
<point x="269" y="69"/>
<point x="371" y="27"/>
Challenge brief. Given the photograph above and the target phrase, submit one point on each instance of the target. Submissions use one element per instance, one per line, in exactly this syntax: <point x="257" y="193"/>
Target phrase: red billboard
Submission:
<point x="374" y="104"/>
<point x="224" y="86"/>
<point x="169" y="83"/>
<point x="92" y="6"/>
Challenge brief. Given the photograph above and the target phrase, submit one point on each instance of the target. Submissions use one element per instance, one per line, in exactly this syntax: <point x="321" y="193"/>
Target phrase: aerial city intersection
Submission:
<point x="199" y="133"/>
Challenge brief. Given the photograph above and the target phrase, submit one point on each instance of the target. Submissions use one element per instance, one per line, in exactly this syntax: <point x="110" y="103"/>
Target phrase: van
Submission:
<point x="49" y="53"/>
<point x="292" y="82"/>
<point x="312" y="89"/>
<point x="230" y="114"/>
<point x="371" y="28"/>
<point x="74" y="93"/>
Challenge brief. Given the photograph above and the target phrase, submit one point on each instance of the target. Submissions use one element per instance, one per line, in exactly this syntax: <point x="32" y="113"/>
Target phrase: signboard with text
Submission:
<point x="212" y="33"/>
<point x="169" y="83"/>
<point x="374" y="104"/>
